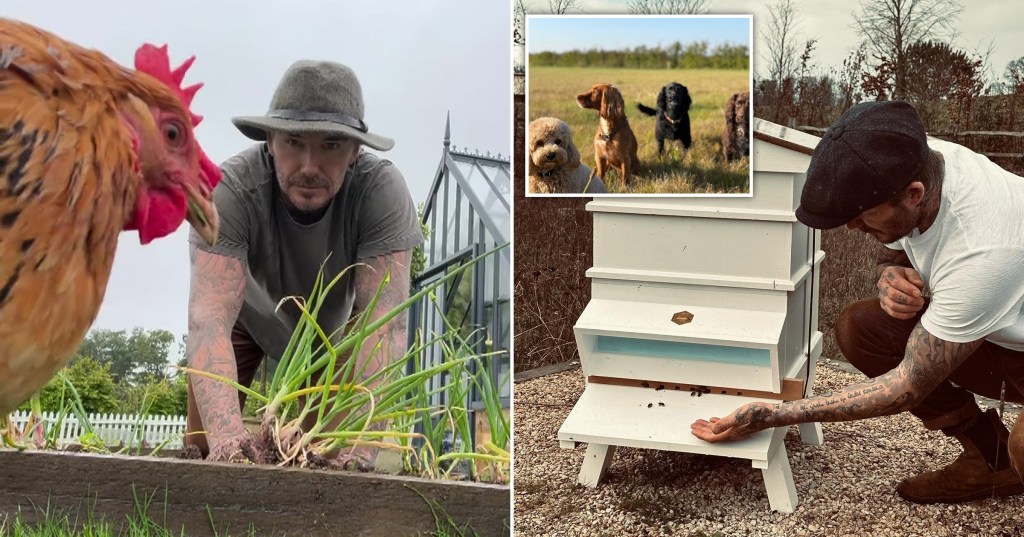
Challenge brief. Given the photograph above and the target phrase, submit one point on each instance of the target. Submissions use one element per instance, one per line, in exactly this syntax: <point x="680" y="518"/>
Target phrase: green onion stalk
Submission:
<point x="318" y="402"/>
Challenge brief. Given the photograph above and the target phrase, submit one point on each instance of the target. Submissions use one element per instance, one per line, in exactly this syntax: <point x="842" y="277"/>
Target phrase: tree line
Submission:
<point x="122" y="371"/>
<point x="696" y="55"/>
<point x="907" y="52"/>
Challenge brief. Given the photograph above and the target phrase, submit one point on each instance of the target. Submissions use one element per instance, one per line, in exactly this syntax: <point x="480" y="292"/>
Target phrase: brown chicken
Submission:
<point x="88" y="148"/>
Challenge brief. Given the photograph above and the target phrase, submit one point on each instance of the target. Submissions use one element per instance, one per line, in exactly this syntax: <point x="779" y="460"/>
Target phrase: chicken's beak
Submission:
<point x="202" y="214"/>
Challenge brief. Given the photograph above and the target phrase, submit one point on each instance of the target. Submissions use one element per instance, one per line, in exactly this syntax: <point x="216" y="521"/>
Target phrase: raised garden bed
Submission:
<point x="185" y="495"/>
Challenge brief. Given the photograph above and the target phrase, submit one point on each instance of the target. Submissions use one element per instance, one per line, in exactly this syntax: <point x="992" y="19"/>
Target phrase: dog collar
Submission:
<point x="670" y="120"/>
<point x="608" y="136"/>
<point x="547" y="174"/>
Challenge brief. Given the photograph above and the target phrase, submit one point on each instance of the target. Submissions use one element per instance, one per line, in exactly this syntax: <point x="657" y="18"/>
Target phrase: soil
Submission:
<point x="191" y="452"/>
<point x="261" y="448"/>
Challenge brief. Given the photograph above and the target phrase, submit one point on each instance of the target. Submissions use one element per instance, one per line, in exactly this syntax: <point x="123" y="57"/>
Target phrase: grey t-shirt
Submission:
<point x="373" y="214"/>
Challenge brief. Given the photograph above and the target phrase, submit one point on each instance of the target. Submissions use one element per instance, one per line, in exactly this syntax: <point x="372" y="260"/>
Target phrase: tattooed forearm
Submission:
<point x="392" y="336"/>
<point x="927" y="362"/>
<point x="218" y="284"/>
<point x="888" y="257"/>
<point x="933" y="359"/>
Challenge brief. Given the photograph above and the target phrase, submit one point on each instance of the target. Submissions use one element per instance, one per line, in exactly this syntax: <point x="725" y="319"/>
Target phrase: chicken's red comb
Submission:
<point x="155" y="62"/>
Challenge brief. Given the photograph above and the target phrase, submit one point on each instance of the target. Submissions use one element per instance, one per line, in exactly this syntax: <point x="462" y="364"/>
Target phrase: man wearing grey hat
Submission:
<point x="948" y="322"/>
<point x="306" y="196"/>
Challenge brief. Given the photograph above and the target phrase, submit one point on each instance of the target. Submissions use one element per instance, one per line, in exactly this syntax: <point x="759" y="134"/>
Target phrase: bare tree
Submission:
<point x="1013" y="77"/>
<point x="780" y="41"/>
<point x="519" y="23"/>
<point x="659" y="7"/>
<point x="519" y="11"/>
<point x="560" y="7"/>
<point x="891" y="26"/>
<point x="848" y="80"/>
<point x="1013" y="86"/>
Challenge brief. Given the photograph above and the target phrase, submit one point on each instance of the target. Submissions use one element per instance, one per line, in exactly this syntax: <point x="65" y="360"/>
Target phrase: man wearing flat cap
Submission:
<point x="305" y="196"/>
<point x="948" y="322"/>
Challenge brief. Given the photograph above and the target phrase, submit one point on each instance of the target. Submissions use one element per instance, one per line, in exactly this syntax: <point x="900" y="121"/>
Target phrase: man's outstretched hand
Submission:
<point x="743" y="422"/>
<point x="229" y="450"/>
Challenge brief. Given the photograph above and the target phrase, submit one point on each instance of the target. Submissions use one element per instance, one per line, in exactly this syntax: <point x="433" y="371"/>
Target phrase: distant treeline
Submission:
<point x="675" y="56"/>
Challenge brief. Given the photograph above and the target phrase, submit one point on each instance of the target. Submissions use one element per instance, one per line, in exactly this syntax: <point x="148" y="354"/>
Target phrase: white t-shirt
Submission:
<point x="972" y="257"/>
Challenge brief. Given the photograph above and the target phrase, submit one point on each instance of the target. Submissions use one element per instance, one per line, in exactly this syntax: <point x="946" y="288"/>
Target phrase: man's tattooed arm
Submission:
<point x="927" y="362"/>
<point x="388" y="343"/>
<point x="392" y="337"/>
<point x="887" y="257"/>
<point x="217" y="289"/>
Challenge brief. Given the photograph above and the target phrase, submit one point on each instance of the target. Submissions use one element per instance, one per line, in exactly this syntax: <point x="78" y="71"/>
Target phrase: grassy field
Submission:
<point x="552" y="92"/>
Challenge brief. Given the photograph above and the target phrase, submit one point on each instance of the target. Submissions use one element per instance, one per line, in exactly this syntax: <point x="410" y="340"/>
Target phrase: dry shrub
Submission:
<point x="553" y="250"/>
<point x="847" y="275"/>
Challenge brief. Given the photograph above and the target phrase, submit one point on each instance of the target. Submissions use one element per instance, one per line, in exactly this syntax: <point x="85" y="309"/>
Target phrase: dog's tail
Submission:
<point x="647" y="109"/>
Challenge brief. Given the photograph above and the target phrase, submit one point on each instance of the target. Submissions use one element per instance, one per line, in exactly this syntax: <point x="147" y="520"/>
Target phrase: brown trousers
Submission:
<point x="248" y="357"/>
<point x="875" y="343"/>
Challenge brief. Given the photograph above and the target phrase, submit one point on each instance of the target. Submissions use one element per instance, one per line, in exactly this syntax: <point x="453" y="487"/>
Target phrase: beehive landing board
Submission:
<point x="607" y="416"/>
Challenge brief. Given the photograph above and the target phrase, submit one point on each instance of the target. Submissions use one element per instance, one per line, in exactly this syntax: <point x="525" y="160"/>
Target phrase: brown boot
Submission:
<point x="967" y="478"/>
<point x="1016" y="442"/>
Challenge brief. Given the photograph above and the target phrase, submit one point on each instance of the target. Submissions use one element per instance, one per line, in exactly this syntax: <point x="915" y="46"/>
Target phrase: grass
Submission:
<point x="552" y="92"/>
<point x="445" y="525"/>
<point x="50" y="522"/>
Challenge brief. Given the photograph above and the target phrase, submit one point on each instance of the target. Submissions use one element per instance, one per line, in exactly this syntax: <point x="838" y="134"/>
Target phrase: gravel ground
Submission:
<point x="844" y="487"/>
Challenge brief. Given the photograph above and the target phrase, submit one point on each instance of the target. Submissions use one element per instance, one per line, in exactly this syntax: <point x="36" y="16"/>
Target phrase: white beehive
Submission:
<point x="700" y="305"/>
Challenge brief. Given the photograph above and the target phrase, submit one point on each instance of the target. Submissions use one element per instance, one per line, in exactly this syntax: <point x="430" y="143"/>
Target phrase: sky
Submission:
<point x="416" y="62"/>
<point x="994" y="23"/>
<point x="564" y="33"/>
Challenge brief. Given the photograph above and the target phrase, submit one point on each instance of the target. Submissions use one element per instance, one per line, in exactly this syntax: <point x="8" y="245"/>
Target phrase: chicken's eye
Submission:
<point x="173" y="132"/>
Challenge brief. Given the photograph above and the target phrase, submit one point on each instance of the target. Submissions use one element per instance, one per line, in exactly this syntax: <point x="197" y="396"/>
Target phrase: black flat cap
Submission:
<point x="866" y="157"/>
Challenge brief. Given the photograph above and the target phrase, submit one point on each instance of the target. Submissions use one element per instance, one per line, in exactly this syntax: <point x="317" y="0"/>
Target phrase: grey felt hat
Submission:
<point x="315" y="96"/>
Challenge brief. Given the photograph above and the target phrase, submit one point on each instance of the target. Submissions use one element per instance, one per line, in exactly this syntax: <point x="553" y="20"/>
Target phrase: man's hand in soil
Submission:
<point x="361" y="458"/>
<point x="229" y="450"/>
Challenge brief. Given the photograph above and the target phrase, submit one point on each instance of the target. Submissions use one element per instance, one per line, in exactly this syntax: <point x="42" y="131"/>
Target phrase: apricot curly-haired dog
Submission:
<point x="736" y="136"/>
<point x="555" y="166"/>
<point x="614" y="144"/>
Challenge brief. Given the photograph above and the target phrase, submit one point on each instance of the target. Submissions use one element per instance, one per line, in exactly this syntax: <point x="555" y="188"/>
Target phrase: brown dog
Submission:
<point x="614" y="144"/>
<point x="736" y="136"/>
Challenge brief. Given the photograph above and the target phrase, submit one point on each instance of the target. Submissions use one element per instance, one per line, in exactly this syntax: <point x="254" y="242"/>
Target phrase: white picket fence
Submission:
<point x="117" y="429"/>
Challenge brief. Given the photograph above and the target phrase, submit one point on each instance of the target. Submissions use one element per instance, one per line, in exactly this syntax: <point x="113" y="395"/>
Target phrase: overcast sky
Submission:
<point x="995" y="22"/>
<point x="415" y="60"/>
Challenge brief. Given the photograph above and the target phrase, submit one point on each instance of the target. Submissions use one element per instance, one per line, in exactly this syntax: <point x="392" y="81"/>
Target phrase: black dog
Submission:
<point x="673" y="117"/>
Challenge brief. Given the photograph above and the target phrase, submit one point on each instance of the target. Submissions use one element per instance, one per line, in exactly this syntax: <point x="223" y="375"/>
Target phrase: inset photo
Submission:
<point x="640" y="105"/>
